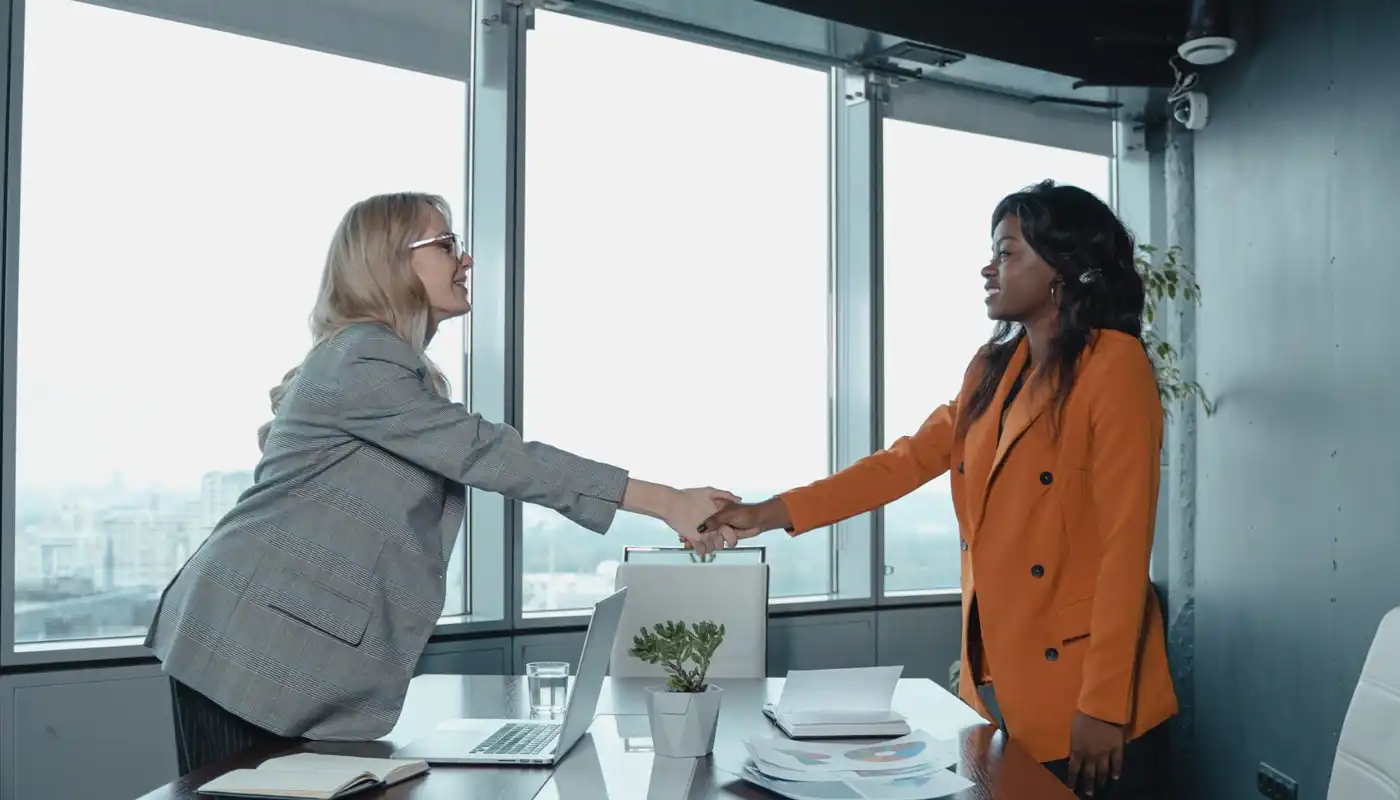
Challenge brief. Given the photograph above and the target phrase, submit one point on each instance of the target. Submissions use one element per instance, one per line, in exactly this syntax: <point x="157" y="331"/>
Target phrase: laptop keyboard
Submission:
<point x="518" y="740"/>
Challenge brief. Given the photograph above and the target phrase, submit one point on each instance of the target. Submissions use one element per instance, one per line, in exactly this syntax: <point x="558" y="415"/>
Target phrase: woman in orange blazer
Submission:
<point x="1054" y="444"/>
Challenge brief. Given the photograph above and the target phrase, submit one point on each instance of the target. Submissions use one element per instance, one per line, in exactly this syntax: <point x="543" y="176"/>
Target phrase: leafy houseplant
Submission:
<point x="671" y="645"/>
<point x="1168" y="278"/>
<point x="685" y="712"/>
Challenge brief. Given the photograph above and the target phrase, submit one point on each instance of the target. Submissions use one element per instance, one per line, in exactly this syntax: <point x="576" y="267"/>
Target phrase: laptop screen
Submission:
<point x="592" y="668"/>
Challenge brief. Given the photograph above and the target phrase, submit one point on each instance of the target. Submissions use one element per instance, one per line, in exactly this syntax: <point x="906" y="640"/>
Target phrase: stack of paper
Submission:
<point x="913" y="767"/>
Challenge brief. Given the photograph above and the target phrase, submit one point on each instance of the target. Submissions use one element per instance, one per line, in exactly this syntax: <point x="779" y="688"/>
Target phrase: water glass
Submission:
<point x="548" y="682"/>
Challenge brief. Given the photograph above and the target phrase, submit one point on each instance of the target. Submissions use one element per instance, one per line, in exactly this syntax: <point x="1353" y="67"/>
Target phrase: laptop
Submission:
<point x="529" y="741"/>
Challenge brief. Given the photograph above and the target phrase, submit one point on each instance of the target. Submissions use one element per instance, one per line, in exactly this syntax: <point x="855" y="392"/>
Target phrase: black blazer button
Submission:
<point x="960" y="471"/>
<point x="1037" y="571"/>
<point x="963" y="544"/>
<point x="1051" y="654"/>
<point x="1046" y="478"/>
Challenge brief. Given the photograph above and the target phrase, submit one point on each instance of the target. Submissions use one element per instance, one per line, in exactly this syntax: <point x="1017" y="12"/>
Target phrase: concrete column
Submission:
<point x="1180" y="478"/>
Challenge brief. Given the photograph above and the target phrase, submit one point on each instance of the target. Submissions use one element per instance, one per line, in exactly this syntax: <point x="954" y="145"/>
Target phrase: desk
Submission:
<point x="613" y="761"/>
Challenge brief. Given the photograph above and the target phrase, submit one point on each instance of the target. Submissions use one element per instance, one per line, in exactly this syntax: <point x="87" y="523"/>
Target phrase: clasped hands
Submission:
<point x="708" y="519"/>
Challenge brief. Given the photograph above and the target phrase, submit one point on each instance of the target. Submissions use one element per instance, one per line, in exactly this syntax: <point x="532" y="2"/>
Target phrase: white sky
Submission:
<point x="676" y="258"/>
<point x="174" y="222"/>
<point x="173" y="226"/>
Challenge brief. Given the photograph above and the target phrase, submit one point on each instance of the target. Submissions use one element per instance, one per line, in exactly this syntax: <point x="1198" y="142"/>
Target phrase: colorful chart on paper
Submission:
<point x="937" y="783"/>
<point x="806" y="757"/>
<point x="888" y="752"/>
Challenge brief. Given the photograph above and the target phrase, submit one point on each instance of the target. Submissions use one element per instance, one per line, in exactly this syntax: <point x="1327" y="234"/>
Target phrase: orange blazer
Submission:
<point x="1056" y="537"/>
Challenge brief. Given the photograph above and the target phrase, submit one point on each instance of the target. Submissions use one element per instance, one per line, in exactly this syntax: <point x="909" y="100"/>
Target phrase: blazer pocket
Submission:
<point x="322" y="608"/>
<point x="1074" y="619"/>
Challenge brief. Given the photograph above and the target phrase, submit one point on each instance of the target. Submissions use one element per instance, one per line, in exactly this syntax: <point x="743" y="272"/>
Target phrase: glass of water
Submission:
<point x="549" y="686"/>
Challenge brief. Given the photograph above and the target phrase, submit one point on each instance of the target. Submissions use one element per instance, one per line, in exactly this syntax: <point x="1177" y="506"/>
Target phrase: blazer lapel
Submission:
<point x="979" y="450"/>
<point x="1025" y="410"/>
<point x="984" y="451"/>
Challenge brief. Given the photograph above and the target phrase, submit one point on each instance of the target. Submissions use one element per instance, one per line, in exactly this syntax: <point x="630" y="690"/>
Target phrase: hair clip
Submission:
<point x="1088" y="276"/>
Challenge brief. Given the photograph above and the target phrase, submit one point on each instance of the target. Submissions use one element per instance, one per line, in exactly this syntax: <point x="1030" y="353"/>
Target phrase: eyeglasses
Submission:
<point x="451" y="242"/>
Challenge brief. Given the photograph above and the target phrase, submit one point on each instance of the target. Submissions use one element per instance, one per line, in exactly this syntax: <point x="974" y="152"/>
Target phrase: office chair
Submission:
<point x="732" y="594"/>
<point x="1367" y="764"/>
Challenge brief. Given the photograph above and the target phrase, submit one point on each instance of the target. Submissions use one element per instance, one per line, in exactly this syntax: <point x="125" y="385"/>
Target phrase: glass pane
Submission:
<point x="940" y="188"/>
<point x="676" y="285"/>
<point x="152" y="325"/>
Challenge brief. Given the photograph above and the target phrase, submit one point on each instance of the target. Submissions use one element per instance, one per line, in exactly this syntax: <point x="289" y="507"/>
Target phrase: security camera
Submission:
<point x="1192" y="110"/>
<point x="1207" y="36"/>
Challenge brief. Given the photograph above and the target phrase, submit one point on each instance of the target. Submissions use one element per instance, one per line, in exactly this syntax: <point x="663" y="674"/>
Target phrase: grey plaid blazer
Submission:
<point x="306" y="609"/>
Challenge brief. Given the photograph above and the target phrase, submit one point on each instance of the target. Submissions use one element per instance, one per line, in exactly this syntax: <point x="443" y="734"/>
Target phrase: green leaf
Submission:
<point x="1166" y="276"/>
<point x="685" y="652"/>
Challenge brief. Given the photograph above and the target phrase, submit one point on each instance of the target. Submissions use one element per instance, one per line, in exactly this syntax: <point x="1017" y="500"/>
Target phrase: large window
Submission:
<point x="179" y="188"/>
<point x="675" y="286"/>
<point x="940" y="187"/>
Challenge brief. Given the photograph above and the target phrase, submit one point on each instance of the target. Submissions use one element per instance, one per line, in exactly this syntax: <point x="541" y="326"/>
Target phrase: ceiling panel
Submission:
<point x="1099" y="42"/>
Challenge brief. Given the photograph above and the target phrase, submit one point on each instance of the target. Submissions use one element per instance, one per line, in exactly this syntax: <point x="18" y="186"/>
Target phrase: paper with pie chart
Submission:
<point x="931" y="784"/>
<point x="918" y="749"/>
<point x="927" y="786"/>
<point x="909" y="768"/>
<point x="889" y="774"/>
<point x="913" y="767"/>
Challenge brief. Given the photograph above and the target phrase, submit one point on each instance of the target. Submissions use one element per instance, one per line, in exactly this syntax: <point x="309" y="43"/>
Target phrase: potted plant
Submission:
<point x="684" y="712"/>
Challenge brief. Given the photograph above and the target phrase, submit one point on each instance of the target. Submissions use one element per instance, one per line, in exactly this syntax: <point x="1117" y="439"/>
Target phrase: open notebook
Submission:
<point x="313" y="776"/>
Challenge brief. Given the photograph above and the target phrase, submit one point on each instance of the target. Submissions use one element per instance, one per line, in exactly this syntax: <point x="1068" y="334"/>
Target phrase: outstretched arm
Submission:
<point x="681" y="509"/>
<point x="378" y="393"/>
<point x="871" y="482"/>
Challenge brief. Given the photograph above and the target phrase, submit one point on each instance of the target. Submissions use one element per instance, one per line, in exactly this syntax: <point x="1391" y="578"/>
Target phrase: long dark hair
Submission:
<point x="1084" y="241"/>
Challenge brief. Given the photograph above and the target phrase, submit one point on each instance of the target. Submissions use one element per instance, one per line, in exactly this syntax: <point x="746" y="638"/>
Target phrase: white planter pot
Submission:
<point x="683" y="724"/>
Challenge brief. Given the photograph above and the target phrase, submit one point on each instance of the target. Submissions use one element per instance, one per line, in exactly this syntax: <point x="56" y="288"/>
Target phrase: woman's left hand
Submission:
<point x="1095" y="753"/>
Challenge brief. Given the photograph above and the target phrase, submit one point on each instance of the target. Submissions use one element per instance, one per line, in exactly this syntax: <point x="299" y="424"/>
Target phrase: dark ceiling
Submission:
<point x="1100" y="42"/>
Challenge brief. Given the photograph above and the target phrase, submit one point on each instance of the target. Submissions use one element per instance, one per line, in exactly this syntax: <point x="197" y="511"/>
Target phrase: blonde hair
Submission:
<point x="368" y="278"/>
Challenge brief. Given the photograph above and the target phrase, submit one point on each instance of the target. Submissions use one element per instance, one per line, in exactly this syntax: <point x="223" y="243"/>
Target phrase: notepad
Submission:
<point x="839" y="703"/>
<point x="313" y="776"/>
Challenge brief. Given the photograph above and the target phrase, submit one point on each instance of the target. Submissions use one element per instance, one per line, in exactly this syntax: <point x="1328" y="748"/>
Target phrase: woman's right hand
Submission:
<point x="737" y="521"/>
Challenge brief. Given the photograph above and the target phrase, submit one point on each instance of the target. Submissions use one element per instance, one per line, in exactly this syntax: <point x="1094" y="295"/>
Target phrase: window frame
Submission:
<point x="497" y="31"/>
<point x="419" y="44"/>
<point x="984" y="112"/>
<point x="943" y="104"/>
<point x="849" y="580"/>
<point x="410" y="37"/>
<point x="11" y="73"/>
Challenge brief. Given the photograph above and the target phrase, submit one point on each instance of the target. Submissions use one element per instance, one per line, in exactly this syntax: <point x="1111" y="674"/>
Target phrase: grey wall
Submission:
<point x="117" y="723"/>
<point x="1298" y="557"/>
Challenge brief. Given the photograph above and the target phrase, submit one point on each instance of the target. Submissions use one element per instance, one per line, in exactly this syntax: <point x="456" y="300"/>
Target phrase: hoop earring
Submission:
<point x="1055" y="295"/>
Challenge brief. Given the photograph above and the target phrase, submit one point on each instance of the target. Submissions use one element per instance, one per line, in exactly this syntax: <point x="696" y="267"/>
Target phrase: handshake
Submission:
<point x="708" y="519"/>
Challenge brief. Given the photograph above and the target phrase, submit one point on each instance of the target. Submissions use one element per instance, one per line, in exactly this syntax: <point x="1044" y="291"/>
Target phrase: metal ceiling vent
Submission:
<point x="912" y="56"/>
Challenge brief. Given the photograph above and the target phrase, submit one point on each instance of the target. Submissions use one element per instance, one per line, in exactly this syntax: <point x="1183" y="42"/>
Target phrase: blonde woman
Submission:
<point x="305" y="611"/>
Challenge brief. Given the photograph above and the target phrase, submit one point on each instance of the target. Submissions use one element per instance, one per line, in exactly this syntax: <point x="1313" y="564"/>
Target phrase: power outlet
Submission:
<point x="1275" y="785"/>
